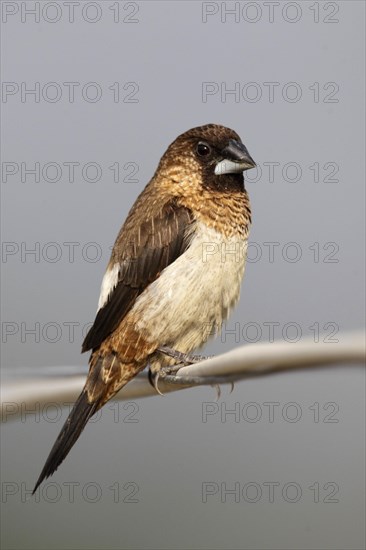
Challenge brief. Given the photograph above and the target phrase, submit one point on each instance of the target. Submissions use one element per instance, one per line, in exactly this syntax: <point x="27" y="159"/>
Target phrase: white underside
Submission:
<point x="194" y="295"/>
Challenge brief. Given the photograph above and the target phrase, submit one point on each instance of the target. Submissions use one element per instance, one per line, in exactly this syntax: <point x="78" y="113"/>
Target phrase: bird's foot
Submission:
<point x="169" y="375"/>
<point x="182" y="360"/>
<point x="154" y="377"/>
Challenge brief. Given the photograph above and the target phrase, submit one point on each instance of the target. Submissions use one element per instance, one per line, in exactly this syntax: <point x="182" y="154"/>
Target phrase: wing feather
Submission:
<point x="144" y="252"/>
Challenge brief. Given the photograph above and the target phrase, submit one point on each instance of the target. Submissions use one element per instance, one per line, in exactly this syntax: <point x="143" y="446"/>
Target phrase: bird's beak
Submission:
<point x="236" y="159"/>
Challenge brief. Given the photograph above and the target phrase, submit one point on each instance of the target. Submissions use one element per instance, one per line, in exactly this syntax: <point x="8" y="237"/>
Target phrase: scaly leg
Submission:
<point x="184" y="358"/>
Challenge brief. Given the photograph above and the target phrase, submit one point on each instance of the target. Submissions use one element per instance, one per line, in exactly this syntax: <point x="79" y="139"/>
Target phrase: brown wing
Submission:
<point x="143" y="251"/>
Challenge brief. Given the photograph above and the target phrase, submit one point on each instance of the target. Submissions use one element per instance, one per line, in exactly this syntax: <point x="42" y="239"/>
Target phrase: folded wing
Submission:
<point x="141" y="252"/>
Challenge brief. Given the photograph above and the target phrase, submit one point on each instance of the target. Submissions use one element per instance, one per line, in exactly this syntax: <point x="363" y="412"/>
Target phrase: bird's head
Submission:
<point x="213" y="153"/>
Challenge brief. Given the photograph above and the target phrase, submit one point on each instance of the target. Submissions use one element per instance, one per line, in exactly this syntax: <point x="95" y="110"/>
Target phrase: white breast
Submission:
<point x="193" y="296"/>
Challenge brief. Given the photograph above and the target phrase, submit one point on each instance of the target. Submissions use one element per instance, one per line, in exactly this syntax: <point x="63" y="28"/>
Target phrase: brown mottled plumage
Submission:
<point x="174" y="273"/>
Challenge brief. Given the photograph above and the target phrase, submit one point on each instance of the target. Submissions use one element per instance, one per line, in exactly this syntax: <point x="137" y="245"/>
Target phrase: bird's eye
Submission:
<point x="203" y="150"/>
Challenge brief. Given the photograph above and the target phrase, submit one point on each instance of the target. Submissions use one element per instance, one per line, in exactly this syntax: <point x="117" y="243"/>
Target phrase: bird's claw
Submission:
<point x="183" y="359"/>
<point x="218" y="389"/>
<point x="161" y="374"/>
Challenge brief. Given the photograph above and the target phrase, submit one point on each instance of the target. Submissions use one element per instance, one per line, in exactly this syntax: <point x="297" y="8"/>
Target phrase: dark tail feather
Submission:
<point x="74" y="425"/>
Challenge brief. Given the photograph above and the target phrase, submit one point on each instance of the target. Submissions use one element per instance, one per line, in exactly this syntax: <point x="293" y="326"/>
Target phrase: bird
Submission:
<point x="174" y="273"/>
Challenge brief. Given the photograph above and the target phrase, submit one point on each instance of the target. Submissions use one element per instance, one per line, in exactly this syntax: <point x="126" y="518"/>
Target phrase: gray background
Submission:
<point x="170" y="452"/>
